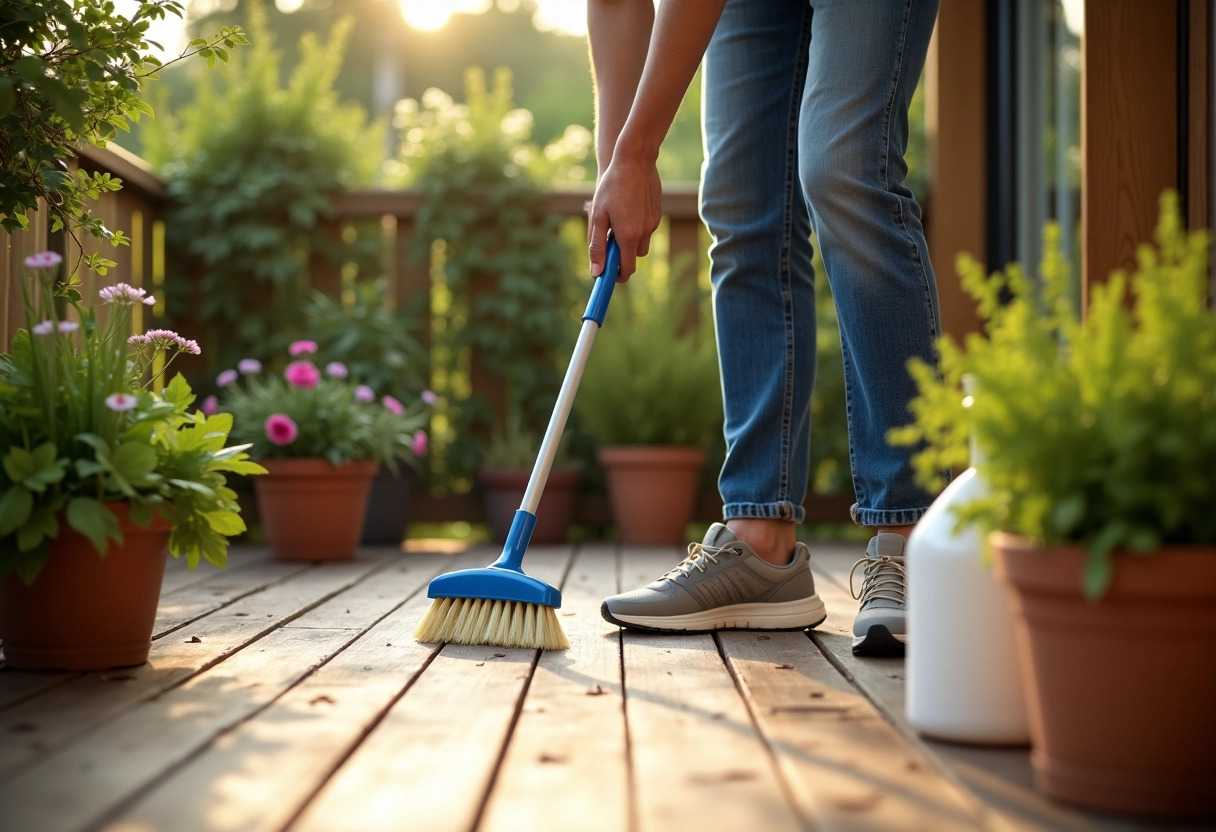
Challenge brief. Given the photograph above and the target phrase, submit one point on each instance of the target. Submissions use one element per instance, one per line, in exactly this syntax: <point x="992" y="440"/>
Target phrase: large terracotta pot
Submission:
<point x="83" y="611"/>
<point x="502" y="490"/>
<point x="389" y="505"/>
<point x="653" y="490"/>
<point x="312" y="509"/>
<point x="1120" y="691"/>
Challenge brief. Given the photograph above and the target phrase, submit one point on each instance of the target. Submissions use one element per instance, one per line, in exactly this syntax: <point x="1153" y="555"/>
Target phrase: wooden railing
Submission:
<point x="136" y="210"/>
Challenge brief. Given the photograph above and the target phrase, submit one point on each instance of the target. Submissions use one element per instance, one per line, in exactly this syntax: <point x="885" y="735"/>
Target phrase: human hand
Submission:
<point x="628" y="200"/>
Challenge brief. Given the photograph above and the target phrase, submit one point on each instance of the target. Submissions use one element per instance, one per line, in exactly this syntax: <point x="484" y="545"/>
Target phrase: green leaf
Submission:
<point x="134" y="461"/>
<point x="8" y="97"/>
<point x="225" y="522"/>
<point x="140" y="514"/>
<point x="19" y="464"/>
<point x="92" y="519"/>
<point x="15" y="508"/>
<point x="28" y="564"/>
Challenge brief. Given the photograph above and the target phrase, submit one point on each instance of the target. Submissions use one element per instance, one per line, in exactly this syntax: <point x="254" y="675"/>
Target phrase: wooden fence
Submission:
<point x="136" y="210"/>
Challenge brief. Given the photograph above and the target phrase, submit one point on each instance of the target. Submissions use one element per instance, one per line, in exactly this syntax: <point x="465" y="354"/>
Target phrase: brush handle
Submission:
<point x="593" y="319"/>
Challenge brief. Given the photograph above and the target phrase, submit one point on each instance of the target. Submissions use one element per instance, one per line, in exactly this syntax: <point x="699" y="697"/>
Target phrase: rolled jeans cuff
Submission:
<point x="783" y="510"/>
<point x="872" y="518"/>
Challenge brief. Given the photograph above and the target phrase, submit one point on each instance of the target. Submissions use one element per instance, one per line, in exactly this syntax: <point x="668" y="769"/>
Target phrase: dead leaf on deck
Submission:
<point x="731" y="776"/>
<point x="194" y="640"/>
<point x="552" y="758"/>
<point x="599" y="691"/>
<point x="323" y="699"/>
<point x="479" y="664"/>
<point x="785" y="667"/>
<point x="499" y="655"/>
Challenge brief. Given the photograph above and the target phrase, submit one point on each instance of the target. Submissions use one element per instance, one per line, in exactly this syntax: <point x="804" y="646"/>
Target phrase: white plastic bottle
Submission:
<point x="962" y="664"/>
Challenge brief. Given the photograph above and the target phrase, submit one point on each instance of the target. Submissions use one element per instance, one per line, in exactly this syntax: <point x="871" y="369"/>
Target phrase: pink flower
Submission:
<point x="420" y="443"/>
<point x="68" y="326"/>
<point x="210" y="406"/>
<point x="226" y="378"/>
<point x="187" y="345"/>
<point x="281" y="430"/>
<point x="138" y="340"/>
<point x="121" y="401"/>
<point x="364" y="394"/>
<point x="302" y="347"/>
<point x="392" y="404"/>
<point x="43" y="260"/>
<point x="429" y="398"/>
<point x="44" y="328"/>
<point x="248" y="366"/>
<point x="302" y="374"/>
<point x="126" y="295"/>
<point x="336" y="369"/>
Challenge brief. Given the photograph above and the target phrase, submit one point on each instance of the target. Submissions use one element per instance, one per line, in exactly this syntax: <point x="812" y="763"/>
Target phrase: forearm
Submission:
<point x="618" y="37"/>
<point x="682" y="32"/>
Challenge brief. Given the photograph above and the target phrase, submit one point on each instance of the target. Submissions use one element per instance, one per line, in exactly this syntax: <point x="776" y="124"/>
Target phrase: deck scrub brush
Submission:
<point x="499" y="605"/>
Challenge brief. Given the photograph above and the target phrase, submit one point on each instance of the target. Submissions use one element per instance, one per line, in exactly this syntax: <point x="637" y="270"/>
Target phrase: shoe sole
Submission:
<point x="786" y="615"/>
<point x="880" y="642"/>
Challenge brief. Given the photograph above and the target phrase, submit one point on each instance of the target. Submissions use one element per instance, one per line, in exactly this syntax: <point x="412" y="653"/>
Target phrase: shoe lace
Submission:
<point x="885" y="580"/>
<point x="699" y="557"/>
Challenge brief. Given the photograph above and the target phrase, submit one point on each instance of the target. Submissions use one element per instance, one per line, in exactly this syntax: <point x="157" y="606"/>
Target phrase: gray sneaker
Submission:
<point x="722" y="585"/>
<point x="880" y="628"/>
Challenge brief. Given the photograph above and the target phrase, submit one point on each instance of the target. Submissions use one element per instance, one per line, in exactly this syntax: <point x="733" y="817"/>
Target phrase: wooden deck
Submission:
<point x="289" y="696"/>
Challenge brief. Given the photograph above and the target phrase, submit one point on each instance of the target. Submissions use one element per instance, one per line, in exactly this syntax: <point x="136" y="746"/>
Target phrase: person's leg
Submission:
<point x="764" y="294"/>
<point x="750" y="573"/>
<point x="865" y="59"/>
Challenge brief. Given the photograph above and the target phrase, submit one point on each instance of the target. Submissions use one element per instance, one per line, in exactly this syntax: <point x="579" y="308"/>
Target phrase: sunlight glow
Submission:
<point x="430" y="15"/>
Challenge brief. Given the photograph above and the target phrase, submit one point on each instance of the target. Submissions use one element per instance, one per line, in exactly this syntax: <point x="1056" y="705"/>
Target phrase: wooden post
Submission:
<point x="1129" y="128"/>
<point x="955" y="100"/>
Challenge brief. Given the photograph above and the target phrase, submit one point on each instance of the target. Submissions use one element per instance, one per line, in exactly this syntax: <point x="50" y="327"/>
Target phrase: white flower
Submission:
<point x="121" y="401"/>
<point x="43" y="260"/>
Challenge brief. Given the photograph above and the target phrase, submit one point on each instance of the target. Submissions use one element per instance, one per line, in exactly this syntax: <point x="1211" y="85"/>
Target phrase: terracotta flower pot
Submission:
<point x="83" y="611"/>
<point x="653" y="490"/>
<point x="502" y="490"/>
<point x="1119" y="691"/>
<point x="312" y="509"/>
<point x="389" y="504"/>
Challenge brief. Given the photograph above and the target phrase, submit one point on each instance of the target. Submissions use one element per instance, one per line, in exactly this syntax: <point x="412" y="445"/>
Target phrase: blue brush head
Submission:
<point x="495" y="583"/>
<point x="503" y="580"/>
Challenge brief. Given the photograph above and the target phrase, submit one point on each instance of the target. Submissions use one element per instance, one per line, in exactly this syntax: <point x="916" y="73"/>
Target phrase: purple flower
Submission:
<point x="126" y="295"/>
<point x="302" y="374"/>
<point x="392" y="404"/>
<point x="249" y="366"/>
<point x="68" y="326"/>
<point x="210" y="406"/>
<point x="281" y="430"/>
<point x="226" y="378"/>
<point x="336" y="369"/>
<point x="364" y="394"/>
<point x="44" y="328"/>
<point x="429" y="398"/>
<point x="302" y="347"/>
<point x="121" y="401"/>
<point x="166" y="339"/>
<point x="420" y="443"/>
<point x="43" y="260"/>
<point x="139" y="340"/>
<point x="187" y="345"/>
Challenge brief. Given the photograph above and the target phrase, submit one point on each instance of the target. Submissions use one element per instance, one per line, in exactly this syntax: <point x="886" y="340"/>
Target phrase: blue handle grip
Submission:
<point x="601" y="293"/>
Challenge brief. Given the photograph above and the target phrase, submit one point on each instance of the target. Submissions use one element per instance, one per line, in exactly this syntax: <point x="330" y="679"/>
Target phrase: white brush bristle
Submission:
<point x="493" y="623"/>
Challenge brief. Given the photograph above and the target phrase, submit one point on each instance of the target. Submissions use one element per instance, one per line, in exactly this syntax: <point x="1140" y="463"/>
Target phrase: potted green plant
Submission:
<point x="503" y="479"/>
<point x="100" y="475"/>
<point x="378" y="343"/>
<point x="321" y="436"/>
<point x="1098" y="441"/>
<point x="651" y="398"/>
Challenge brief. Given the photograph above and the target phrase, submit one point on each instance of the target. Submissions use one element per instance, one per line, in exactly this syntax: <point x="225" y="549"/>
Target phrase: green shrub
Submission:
<point x="252" y="166"/>
<point x="1099" y="431"/>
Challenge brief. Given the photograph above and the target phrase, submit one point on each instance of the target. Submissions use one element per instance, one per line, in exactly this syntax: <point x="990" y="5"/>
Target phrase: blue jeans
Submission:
<point x="805" y="109"/>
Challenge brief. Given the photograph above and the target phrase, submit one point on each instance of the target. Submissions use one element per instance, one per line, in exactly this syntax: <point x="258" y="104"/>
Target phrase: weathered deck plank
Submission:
<point x="568" y="750"/>
<point x="698" y="759"/>
<point x="81" y="784"/>
<point x="258" y="776"/>
<point x="433" y="756"/>
<point x="45" y="723"/>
